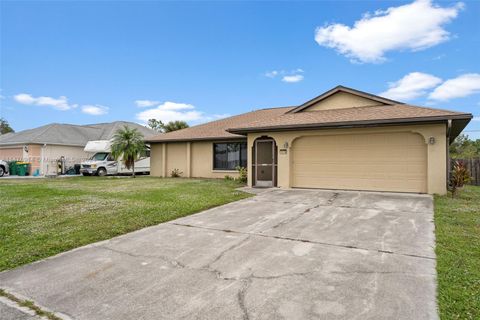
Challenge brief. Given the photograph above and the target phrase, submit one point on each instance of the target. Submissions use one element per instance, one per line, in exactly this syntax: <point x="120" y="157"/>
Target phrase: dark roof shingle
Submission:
<point x="372" y="114"/>
<point x="218" y="129"/>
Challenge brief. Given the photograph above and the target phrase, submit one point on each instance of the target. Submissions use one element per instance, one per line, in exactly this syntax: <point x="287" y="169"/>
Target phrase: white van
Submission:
<point x="102" y="162"/>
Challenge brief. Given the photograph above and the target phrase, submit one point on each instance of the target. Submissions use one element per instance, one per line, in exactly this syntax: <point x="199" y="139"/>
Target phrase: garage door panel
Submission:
<point x="358" y="169"/>
<point x="385" y="162"/>
<point x="13" y="153"/>
<point x="374" y="184"/>
<point x="370" y="153"/>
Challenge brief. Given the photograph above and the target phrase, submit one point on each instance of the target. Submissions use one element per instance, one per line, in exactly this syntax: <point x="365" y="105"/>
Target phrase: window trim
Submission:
<point x="227" y="142"/>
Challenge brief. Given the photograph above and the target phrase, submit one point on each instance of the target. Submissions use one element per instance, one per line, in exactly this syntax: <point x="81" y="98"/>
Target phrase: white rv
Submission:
<point x="102" y="162"/>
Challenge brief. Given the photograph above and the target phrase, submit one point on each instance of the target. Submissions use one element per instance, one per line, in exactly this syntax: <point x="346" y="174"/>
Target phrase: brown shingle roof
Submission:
<point x="217" y="129"/>
<point x="281" y="119"/>
<point x="382" y="114"/>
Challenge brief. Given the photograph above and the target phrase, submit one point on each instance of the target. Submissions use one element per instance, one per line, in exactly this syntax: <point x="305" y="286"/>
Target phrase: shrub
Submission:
<point x="228" y="178"/>
<point x="242" y="174"/>
<point x="176" y="173"/>
<point x="460" y="176"/>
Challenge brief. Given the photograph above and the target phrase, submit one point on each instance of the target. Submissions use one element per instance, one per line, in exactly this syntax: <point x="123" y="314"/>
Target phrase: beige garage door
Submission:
<point x="380" y="162"/>
<point x="11" y="153"/>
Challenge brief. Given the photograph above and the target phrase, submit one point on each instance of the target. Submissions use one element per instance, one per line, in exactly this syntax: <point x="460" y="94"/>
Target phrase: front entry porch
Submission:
<point x="264" y="164"/>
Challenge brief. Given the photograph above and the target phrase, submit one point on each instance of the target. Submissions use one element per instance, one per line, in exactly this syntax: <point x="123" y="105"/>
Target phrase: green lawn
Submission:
<point x="42" y="217"/>
<point x="457" y="223"/>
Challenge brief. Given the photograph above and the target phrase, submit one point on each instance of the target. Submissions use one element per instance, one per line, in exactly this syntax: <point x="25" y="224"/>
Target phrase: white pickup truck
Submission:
<point x="102" y="162"/>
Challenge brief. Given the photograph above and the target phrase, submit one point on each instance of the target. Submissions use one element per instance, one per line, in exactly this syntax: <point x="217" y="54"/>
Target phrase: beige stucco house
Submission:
<point x="342" y="139"/>
<point x="43" y="146"/>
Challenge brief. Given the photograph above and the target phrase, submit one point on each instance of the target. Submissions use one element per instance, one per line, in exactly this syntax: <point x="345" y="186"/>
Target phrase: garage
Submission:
<point x="11" y="153"/>
<point x="377" y="162"/>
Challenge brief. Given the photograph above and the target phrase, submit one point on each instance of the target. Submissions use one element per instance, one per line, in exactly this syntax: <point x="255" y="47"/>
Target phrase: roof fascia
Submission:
<point x="352" y="124"/>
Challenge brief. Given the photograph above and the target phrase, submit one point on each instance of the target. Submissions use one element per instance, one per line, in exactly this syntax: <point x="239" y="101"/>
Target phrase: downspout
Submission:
<point x="449" y="129"/>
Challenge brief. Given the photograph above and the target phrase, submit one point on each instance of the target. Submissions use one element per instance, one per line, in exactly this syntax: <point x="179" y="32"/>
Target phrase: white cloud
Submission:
<point x="176" y="106"/>
<point x="146" y="103"/>
<point x="476" y="119"/>
<point x="462" y="86"/>
<point x="271" y="74"/>
<point x="171" y="111"/>
<point x="411" y="86"/>
<point x="287" y="76"/>
<point x="414" y="26"/>
<point x="94" y="110"/>
<point x="60" y="103"/>
<point x="294" y="78"/>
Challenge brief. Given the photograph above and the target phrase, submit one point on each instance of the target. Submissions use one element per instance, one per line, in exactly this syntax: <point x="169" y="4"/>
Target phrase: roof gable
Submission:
<point x="341" y="98"/>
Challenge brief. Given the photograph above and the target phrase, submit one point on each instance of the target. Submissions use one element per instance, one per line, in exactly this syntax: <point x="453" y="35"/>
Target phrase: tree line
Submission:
<point x="464" y="148"/>
<point x="159" y="126"/>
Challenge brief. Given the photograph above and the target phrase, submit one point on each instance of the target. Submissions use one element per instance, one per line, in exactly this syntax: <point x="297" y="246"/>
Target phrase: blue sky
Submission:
<point x="99" y="61"/>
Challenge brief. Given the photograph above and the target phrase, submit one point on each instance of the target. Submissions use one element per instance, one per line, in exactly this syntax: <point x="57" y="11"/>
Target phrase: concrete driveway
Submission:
<point x="283" y="254"/>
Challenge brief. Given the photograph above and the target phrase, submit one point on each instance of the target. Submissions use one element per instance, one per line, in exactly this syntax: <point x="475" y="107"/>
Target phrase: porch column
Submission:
<point x="250" y="140"/>
<point x="164" y="159"/>
<point x="189" y="159"/>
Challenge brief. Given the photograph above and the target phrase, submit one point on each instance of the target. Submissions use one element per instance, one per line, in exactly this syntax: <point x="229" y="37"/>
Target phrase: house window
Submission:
<point x="228" y="156"/>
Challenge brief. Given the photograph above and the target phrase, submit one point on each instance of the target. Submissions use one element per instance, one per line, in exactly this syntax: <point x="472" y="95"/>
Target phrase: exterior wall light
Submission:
<point x="431" y="140"/>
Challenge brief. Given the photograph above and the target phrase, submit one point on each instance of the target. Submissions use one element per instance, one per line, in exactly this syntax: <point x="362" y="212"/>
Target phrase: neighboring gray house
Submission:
<point x="44" y="145"/>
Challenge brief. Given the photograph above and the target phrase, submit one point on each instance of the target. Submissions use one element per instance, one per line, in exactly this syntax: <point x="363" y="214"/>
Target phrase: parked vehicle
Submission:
<point x="3" y="168"/>
<point x="102" y="162"/>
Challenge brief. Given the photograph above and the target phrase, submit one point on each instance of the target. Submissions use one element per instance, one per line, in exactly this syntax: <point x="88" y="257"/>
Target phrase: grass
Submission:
<point x="457" y="223"/>
<point x="42" y="217"/>
<point x="30" y="305"/>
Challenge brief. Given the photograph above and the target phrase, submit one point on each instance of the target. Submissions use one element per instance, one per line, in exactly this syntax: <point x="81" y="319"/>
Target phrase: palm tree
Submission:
<point x="128" y="145"/>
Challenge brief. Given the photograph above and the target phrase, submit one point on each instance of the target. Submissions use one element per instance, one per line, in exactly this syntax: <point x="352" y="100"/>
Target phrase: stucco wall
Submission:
<point x="34" y="156"/>
<point x="342" y="100"/>
<point x="177" y="157"/>
<point x="43" y="157"/>
<point x="51" y="153"/>
<point x="29" y="153"/>
<point x="436" y="153"/>
<point x="156" y="159"/>
<point x="194" y="159"/>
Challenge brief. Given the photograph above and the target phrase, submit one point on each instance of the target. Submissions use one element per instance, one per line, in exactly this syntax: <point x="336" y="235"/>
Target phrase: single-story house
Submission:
<point x="44" y="145"/>
<point x="342" y="139"/>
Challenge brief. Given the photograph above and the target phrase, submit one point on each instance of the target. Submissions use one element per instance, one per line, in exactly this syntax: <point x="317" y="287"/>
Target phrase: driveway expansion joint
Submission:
<point x="331" y="204"/>
<point x="305" y="241"/>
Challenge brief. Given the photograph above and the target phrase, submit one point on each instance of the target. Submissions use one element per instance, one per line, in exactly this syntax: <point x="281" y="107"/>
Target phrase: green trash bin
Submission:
<point x="12" y="168"/>
<point x="22" y="168"/>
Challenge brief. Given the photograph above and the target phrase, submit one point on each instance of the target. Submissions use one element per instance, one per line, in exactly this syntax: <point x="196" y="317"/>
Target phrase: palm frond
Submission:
<point x="127" y="144"/>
